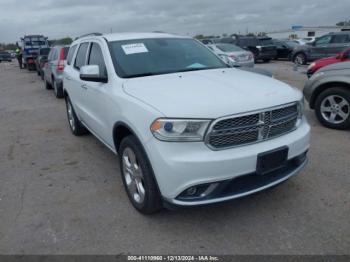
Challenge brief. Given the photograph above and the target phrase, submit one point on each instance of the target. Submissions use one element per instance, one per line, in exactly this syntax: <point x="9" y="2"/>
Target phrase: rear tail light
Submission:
<point x="60" y="64"/>
<point x="30" y="61"/>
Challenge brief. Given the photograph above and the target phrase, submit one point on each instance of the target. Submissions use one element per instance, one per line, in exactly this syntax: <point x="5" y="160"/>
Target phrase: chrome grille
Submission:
<point x="250" y="128"/>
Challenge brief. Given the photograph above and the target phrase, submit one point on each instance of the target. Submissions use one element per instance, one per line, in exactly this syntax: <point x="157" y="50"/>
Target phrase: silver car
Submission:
<point x="233" y="55"/>
<point x="328" y="93"/>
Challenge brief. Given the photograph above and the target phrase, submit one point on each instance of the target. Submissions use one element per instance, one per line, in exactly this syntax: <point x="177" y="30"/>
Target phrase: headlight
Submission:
<point x="179" y="130"/>
<point x="311" y="65"/>
<point x="301" y="107"/>
<point x="317" y="75"/>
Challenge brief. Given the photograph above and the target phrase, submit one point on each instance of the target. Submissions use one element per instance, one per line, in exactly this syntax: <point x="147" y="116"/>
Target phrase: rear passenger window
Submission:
<point x="81" y="55"/>
<point x="340" y="39"/>
<point x="96" y="58"/>
<point x="70" y="54"/>
<point x="55" y="55"/>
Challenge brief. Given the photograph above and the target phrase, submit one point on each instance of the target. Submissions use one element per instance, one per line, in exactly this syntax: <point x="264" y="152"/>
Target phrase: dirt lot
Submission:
<point x="61" y="194"/>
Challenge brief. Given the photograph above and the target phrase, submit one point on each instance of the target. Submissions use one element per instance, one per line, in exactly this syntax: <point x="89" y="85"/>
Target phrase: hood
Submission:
<point x="336" y="66"/>
<point x="327" y="60"/>
<point x="210" y="93"/>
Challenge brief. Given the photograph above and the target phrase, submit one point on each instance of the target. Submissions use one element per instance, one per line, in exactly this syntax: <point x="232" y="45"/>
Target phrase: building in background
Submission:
<point x="303" y="32"/>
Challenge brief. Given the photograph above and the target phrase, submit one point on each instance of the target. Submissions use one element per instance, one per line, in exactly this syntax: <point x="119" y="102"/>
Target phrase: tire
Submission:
<point x="58" y="90"/>
<point x="138" y="179"/>
<point x="75" y="125"/>
<point x="334" y="115"/>
<point x="47" y="85"/>
<point x="300" y="59"/>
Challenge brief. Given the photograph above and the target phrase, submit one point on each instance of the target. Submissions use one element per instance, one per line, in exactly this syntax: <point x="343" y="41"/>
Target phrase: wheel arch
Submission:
<point x="120" y="131"/>
<point x="322" y="87"/>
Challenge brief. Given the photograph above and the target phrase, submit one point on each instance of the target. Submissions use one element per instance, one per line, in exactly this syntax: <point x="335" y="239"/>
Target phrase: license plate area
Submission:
<point x="272" y="160"/>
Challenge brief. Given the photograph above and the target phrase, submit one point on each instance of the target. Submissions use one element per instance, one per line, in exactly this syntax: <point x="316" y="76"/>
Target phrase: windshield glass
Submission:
<point x="229" y="48"/>
<point x="144" y="57"/>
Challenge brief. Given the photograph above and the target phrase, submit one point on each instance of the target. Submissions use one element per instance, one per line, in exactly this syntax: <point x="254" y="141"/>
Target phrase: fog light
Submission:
<point x="191" y="191"/>
<point x="198" y="192"/>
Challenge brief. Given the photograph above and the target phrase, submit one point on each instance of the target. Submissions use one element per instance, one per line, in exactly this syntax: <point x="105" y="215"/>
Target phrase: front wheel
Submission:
<point x="138" y="178"/>
<point x="333" y="108"/>
<point x="300" y="59"/>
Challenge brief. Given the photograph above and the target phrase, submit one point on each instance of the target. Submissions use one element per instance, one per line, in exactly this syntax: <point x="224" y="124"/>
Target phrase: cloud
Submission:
<point x="59" y="18"/>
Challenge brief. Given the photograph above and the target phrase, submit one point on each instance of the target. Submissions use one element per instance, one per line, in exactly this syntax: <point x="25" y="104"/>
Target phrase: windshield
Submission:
<point x="145" y="57"/>
<point x="229" y="48"/>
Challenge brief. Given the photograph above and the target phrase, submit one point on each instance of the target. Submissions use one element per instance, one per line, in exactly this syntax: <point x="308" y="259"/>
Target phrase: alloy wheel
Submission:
<point x="133" y="176"/>
<point x="335" y="109"/>
<point x="70" y="115"/>
<point x="300" y="59"/>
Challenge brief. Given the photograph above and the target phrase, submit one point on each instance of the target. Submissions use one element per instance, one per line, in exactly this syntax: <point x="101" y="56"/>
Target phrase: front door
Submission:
<point x="320" y="47"/>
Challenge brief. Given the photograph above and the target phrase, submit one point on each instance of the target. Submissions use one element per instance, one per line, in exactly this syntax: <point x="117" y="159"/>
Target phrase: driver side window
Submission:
<point x="323" y="40"/>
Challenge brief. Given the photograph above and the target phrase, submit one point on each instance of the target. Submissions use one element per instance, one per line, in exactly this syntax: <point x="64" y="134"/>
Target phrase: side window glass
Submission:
<point x="55" y="55"/>
<point x="340" y="39"/>
<point x="324" y="40"/>
<point x="50" y="55"/>
<point x="96" y="58"/>
<point x="70" y="54"/>
<point x="80" y="58"/>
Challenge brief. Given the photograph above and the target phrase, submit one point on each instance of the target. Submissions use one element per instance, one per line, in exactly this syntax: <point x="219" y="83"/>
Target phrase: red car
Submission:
<point x="341" y="57"/>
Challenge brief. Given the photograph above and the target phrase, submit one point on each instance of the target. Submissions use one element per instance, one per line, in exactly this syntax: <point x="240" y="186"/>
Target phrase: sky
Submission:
<point x="61" y="18"/>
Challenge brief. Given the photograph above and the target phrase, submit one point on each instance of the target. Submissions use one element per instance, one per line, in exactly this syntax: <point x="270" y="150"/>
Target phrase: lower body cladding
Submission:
<point x="190" y="173"/>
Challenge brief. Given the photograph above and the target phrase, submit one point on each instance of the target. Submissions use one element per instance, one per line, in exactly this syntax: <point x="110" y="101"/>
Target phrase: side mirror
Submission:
<point x="92" y="73"/>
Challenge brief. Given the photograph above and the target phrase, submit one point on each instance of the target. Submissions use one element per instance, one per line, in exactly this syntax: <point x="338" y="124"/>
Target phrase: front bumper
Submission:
<point x="179" y="166"/>
<point x="249" y="63"/>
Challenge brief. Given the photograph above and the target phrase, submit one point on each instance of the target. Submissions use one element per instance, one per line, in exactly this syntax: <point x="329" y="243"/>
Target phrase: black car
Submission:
<point x="262" y="47"/>
<point x="284" y="48"/>
<point x="5" y="56"/>
<point x="40" y="60"/>
<point x="325" y="46"/>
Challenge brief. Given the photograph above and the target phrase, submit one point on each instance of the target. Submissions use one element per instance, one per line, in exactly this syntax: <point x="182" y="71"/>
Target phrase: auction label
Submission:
<point x="134" y="48"/>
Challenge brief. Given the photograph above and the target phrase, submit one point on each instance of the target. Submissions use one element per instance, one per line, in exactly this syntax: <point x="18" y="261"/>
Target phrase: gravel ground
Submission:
<point x="61" y="194"/>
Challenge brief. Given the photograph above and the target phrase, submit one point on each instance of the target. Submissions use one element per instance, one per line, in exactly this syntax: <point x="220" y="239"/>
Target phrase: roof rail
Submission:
<point x="90" y="34"/>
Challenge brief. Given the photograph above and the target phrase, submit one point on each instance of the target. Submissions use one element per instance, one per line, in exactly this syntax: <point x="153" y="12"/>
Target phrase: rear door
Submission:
<point x="338" y="43"/>
<point x="97" y="98"/>
<point x="77" y="89"/>
<point x="52" y="64"/>
<point x="46" y="69"/>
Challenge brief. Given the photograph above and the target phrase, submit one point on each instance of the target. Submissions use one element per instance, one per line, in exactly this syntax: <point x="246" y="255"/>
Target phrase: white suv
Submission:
<point x="188" y="129"/>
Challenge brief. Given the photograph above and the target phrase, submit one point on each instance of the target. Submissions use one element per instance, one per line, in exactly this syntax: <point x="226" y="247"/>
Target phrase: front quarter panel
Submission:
<point x="316" y="84"/>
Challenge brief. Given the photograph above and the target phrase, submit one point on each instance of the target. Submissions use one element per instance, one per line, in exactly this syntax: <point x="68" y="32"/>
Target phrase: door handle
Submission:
<point x="84" y="86"/>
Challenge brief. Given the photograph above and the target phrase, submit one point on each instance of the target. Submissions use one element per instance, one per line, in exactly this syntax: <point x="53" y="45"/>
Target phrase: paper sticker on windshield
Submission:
<point x="134" y="48"/>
